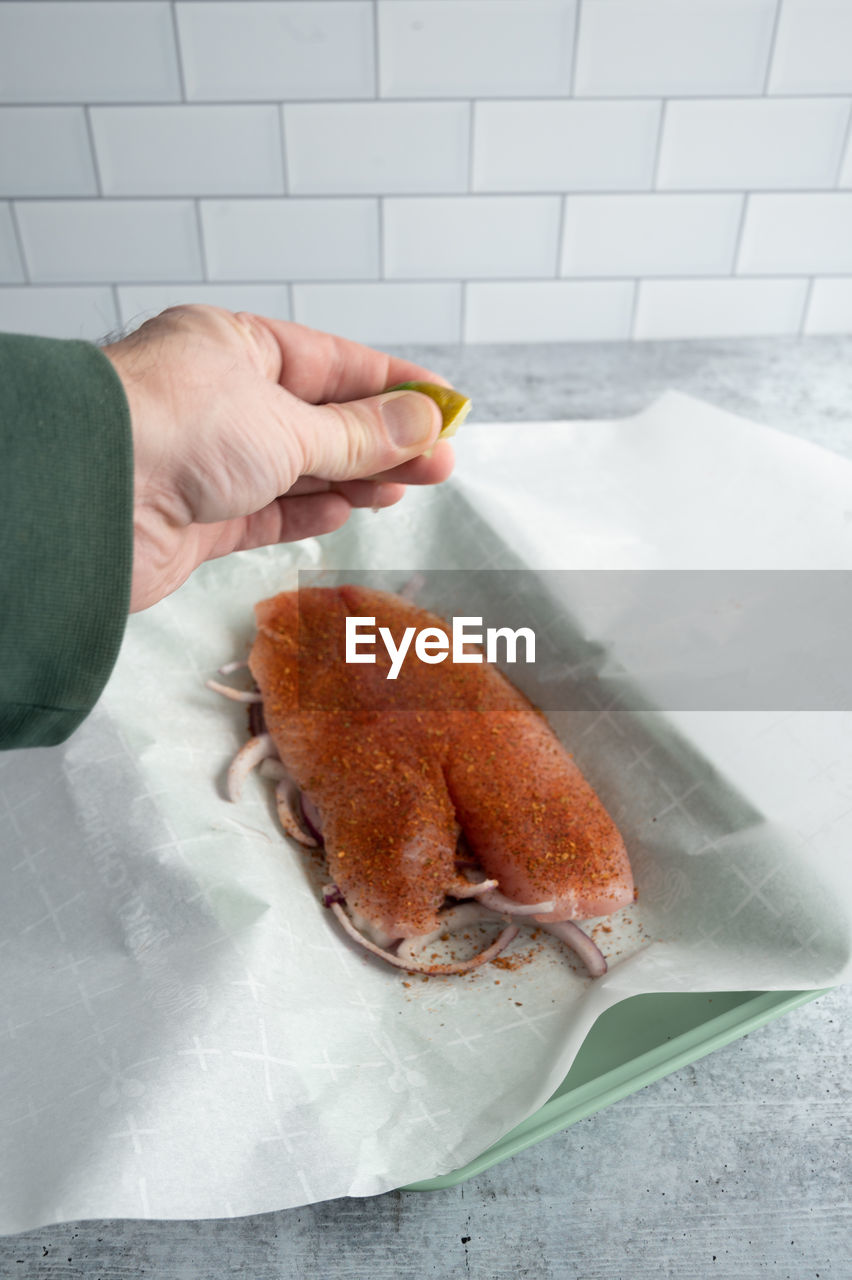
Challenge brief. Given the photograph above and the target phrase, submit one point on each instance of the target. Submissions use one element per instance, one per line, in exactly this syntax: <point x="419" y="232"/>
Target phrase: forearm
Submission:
<point x="66" y="534"/>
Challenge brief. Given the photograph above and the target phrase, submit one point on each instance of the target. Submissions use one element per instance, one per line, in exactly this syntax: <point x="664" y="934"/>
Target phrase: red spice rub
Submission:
<point x="394" y="785"/>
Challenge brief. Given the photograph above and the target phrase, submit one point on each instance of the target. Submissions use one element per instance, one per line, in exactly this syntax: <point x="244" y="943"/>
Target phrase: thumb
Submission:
<point x="366" y="437"/>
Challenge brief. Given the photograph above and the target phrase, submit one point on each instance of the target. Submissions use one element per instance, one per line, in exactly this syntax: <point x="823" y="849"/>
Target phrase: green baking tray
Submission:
<point x="632" y="1044"/>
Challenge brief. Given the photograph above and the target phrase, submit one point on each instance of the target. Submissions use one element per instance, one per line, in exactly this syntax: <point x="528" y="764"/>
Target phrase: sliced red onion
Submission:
<point x="422" y="966"/>
<point x="287" y="817"/>
<point x="486" y="892"/>
<point x="260" y="749"/>
<point x="460" y="888"/>
<point x="249" y="755"/>
<point x="229" y="668"/>
<point x="370" y="930"/>
<point x="272" y="768"/>
<point x="508" y="906"/>
<point x="256" y="719"/>
<point x="588" y="951"/>
<point x="236" y="695"/>
<point x="454" y="918"/>
<point x="311" y="817"/>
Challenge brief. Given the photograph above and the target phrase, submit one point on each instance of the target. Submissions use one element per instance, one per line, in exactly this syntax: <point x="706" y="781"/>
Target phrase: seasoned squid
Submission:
<point x="442" y="798"/>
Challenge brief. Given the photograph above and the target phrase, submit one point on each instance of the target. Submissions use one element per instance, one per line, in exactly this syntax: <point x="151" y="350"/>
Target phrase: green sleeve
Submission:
<point x="66" y="534"/>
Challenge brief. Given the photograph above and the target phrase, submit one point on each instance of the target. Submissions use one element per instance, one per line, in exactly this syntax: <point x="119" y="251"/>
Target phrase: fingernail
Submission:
<point x="410" y="418"/>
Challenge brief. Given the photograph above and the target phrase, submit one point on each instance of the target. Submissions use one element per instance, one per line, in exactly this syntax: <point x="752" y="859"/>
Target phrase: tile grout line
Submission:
<point x="19" y="241"/>
<point x="626" y="99"/>
<point x="738" y="240"/>
<point x="560" y="235"/>
<point x="658" y="150"/>
<point x="845" y="146"/>
<point x="415" y="281"/>
<point x="776" y="22"/>
<point x="634" y="310"/>
<point x="202" y="247"/>
<point x="806" y="307"/>
<point x="90" y="133"/>
<point x="377" y="79"/>
<point x="574" y="50"/>
<point x="380" y="203"/>
<point x="471" y="128"/>
<point x="178" y="51"/>
<point x="284" y="149"/>
<point x="119" y="319"/>
<point x="583" y="193"/>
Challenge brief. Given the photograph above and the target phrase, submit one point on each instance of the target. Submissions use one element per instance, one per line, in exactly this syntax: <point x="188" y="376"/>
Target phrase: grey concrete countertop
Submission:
<point x="736" y="1167"/>
<point x="803" y="386"/>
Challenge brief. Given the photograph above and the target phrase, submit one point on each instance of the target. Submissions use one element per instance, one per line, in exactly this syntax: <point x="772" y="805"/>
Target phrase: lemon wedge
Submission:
<point x="453" y="405"/>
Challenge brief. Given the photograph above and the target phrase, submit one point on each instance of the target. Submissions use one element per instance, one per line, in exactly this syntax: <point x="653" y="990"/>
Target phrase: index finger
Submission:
<point x="322" y="368"/>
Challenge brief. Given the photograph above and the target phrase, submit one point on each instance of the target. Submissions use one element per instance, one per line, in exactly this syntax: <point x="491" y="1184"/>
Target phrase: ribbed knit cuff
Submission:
<point x="66" y="534"/>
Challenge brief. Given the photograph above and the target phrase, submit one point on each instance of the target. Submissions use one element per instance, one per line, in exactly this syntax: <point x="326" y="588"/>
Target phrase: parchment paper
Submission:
<point x="184" y="1031"/>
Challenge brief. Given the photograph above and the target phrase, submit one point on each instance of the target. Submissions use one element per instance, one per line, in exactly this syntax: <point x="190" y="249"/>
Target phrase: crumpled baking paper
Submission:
<point x="185" y="1033"/>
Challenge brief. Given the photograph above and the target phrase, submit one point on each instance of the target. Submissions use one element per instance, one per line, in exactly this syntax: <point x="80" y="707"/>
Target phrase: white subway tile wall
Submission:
<point x="45" y="151"/>
<point x="212" y="150"/>
<point x="378" y="313"/>
<point x="475" y="48"/>
<point x="87" y="51"/>
<point x="235" y="50"/>
<point x="377" y="148"/>
<point x="262" y="240"/>
<point x="81" y="311"/>
<point x="549" y="311"/>
<point x="650" y="235"/>
<point x="846" y="169"/>
<point x="673" y="48"/>
<point x="801" y="234"/>
<point x="429" y="170"/>
<point x="741" y="143"/>
<point x="100" y="240"/>
<point x="565" y="146"/>
<point x="138" y="302"/>
<point x="830" y="307"/>
<point x="813" y="47"/>
<point x="706" y="308"/>
<point x="451" y="236"/>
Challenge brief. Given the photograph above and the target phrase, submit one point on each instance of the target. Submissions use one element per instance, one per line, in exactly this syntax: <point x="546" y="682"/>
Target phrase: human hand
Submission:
<point x="249" y="431"/>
